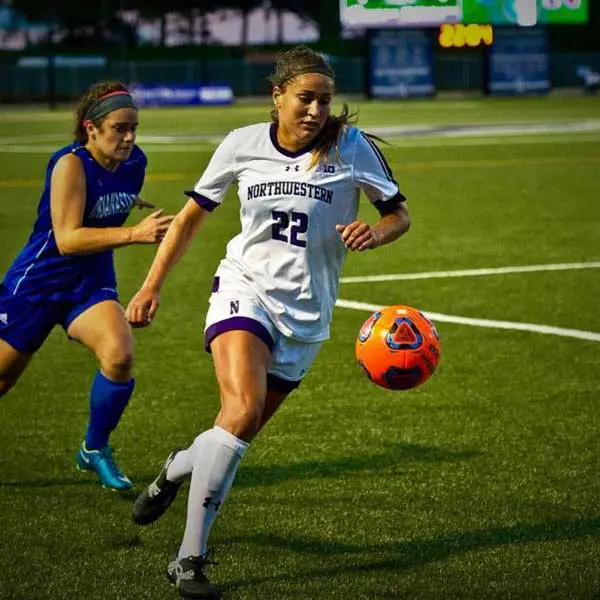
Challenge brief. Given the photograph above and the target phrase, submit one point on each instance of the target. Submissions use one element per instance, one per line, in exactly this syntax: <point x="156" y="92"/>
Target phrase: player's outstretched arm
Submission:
<point x="144" y="304"/>
<point x="359" y="235"/>
<point x="67" y="202"/>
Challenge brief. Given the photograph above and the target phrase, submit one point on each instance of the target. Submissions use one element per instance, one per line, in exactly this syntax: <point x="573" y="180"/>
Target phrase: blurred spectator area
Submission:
<point x="231" y="42"/>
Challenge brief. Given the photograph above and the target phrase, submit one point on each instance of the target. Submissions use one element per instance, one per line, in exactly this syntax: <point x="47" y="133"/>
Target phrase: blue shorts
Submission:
<point x="25" y="325"/>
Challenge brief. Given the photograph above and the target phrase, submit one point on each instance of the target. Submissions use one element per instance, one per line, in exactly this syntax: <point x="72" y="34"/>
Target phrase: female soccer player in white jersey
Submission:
<point x="299" y="180"/>
<point x="65" y="275"/>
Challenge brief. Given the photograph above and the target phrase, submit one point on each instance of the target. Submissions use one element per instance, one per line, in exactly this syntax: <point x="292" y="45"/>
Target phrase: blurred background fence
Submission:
<point x="452" y="73"/>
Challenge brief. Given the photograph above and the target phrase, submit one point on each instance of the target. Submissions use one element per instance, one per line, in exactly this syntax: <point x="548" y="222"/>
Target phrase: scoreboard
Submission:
<point x="465" y="36"/>
<point x="525" y="12"/>
<point x="398" y="13"/>
<point x="373" y="14"/>
<point x="400" y="55"/>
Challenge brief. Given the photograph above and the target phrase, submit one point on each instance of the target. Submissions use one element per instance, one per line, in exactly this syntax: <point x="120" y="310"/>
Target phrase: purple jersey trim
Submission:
<point x="289" y="153"/>
<point x="203" y="201"/>
<point x="386" y="207"/>
<point x="278" y="384"/>
<point x="237" y="323"/>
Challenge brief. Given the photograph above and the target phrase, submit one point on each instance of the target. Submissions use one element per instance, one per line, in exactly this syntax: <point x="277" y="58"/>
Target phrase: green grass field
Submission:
<point x="484" y="483"/>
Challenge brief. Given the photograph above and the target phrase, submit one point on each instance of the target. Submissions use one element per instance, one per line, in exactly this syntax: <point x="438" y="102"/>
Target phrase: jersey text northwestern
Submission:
<point x="290" y="188"/>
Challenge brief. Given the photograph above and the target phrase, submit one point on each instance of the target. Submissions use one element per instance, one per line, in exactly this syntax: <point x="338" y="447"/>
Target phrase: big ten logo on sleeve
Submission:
<point x="326" y="169"/>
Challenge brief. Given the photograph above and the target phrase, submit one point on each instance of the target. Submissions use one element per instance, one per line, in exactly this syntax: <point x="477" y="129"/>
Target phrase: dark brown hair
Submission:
<point x="295" y="62"/>
<point x="95" y="91"/>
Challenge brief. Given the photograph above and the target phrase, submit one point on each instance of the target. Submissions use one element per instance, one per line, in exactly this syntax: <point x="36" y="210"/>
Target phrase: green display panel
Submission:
<point x="525" y="12"/>
<point x="398" y="4"/>
<point x="398" y="13"/>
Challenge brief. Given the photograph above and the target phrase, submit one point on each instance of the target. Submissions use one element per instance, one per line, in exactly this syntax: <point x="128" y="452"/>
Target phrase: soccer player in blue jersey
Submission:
<point x="298" y="179"/>
<point x="65" y="273"/>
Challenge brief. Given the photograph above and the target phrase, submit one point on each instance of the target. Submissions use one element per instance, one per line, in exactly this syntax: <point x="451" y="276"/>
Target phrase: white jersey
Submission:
<point x="288" y="251"/>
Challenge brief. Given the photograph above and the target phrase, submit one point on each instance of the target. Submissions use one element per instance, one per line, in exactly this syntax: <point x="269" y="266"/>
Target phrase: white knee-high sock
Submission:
<point x="183" y="463"/>
<point x="217" y="456"/>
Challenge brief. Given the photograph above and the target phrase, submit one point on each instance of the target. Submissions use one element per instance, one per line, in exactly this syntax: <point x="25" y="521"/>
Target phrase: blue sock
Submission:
<point x="108" y="400"/>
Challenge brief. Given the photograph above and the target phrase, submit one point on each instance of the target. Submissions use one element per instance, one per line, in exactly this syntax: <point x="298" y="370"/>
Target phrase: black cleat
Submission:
<point x="157" y="497"/>
<point x="187" y="574"/>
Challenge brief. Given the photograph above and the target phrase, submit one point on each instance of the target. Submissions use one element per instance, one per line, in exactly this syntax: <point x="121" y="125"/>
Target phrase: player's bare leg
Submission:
<point x="12" y="365"/>
<point x="241" y="362"/>
<point x="103" y="329"/>
<point x="272" y="403"/>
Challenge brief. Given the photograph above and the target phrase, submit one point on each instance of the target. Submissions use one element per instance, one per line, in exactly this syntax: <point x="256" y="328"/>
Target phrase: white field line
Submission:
<point x="404" y="136"/>
<point x="441" y="318"/>
<point x="154" y="148"/>
<point x="400" y="142"/>
<point x="472" y="272"/>
<point x="501" y="129"/>
<point x="491" y="141"/>
<point x="34" y="138"/>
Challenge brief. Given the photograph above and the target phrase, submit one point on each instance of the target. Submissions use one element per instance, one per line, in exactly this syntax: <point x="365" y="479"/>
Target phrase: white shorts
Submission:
<point x="231" y="310"/>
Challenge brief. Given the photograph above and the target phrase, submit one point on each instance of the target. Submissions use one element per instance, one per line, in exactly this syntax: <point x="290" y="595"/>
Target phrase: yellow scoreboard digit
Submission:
<point x="461" y="36"/>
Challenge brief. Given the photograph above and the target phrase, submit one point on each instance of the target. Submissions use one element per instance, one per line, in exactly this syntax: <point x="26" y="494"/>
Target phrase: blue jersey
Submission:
<point x="40" y="272"/>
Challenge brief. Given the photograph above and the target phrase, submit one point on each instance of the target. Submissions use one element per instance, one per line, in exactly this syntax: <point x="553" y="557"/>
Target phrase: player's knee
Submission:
<point x="242" y="417"/>
<point x="117" y="361"/>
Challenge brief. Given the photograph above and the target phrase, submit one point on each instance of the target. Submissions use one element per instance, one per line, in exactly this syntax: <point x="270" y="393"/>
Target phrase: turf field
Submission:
<point x="484" y="483"/>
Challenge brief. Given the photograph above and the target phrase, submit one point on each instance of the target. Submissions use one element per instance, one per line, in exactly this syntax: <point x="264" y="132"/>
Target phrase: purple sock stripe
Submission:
<point x="238" y="323"/>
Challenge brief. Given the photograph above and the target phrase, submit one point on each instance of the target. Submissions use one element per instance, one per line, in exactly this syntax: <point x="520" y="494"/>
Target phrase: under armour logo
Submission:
<point x="289" y="168"/>
<point x="234" y="307"/>
<point x="208" y="501"/>
<point x="4" y="318"/>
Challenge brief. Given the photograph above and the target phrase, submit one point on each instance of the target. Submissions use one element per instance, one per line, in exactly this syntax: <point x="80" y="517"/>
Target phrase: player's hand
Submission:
<point x="358" y="235"/>
<point x="152" y="229"/>
<point x="140" y="203"/>
<point x="142" y="307"/>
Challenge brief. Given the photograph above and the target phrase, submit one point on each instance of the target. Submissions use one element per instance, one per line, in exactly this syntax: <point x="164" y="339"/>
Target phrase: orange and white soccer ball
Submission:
<point x="398" y="348"/>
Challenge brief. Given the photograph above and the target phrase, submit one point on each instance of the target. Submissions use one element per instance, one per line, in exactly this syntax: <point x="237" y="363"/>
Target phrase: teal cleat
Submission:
<point x="103" y="464"/>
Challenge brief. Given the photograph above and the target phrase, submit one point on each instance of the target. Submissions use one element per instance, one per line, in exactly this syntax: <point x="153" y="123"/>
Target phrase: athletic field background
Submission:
<point x="484" y="483"/>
